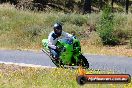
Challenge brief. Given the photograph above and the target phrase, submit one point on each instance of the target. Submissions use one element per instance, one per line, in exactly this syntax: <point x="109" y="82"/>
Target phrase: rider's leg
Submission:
<point x="55" y="53"/>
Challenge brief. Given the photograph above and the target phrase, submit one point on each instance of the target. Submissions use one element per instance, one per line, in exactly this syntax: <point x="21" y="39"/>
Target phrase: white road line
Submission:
<point x="26" y="65"/>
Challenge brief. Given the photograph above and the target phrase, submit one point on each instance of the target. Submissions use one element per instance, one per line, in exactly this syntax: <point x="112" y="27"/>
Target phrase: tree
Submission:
<point x="3" y="1"/>
<point x="112" y="4"/>
<point x="105" y="27"/>
<point x="100" y="4"/>
<point x="127" y="5"/>
<point x="69" y="4"/>
<point x="87" y="6"/>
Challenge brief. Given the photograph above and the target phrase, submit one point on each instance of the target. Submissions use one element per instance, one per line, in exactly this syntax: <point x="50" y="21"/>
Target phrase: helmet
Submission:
<point x="57" y="29"/>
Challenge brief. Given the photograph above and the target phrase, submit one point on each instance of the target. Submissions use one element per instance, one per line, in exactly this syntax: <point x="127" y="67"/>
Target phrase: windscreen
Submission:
<point x="67" y="40"/>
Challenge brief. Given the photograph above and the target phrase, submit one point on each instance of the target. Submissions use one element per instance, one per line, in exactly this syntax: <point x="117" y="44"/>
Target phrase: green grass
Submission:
<point x="13" y="76"/>
<point x="20" y="29"/>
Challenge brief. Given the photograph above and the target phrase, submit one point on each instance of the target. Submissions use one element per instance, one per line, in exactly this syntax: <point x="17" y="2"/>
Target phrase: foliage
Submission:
<point x="130" y="44"/>
<point x="130" y="40"/>
<point x="79" y="20"/>
<point x="24" y="29"/>
<point x="95" y="39"/>
<point x="105" y="28"/>
<point x="14" y="76"/>
<point x="63" y="5"/>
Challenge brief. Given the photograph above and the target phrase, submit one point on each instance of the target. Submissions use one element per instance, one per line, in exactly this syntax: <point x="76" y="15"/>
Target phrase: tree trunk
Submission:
<point x="100" y="4"/>
<point x="87" y="6"/>
<point x="127" y="6"/>
<point x="112" y="5"/>
<point x="69" y="4"/>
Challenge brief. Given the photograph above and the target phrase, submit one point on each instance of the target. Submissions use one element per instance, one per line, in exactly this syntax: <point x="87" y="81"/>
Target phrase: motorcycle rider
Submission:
<point x="53" y="37"/>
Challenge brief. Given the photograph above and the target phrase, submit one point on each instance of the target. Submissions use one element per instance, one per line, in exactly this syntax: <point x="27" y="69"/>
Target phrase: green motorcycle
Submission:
<point x="70" y="52"/>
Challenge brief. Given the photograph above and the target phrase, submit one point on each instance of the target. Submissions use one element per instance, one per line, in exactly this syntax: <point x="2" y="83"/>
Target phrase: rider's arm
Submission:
<point x="51" y="41"/>
<point x="67" y="34"/>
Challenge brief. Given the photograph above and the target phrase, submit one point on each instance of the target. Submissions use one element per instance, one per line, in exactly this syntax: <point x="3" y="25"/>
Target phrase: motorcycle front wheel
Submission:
<point x="83" y="61"/>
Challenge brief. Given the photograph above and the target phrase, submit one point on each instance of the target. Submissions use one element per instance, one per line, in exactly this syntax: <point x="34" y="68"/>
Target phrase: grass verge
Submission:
<point x="13" y="76"/>
<point x="21" y="29"/>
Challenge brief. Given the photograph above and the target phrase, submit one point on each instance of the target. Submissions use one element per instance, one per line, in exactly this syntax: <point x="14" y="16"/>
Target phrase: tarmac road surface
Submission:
<point x="118" y="64"/>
